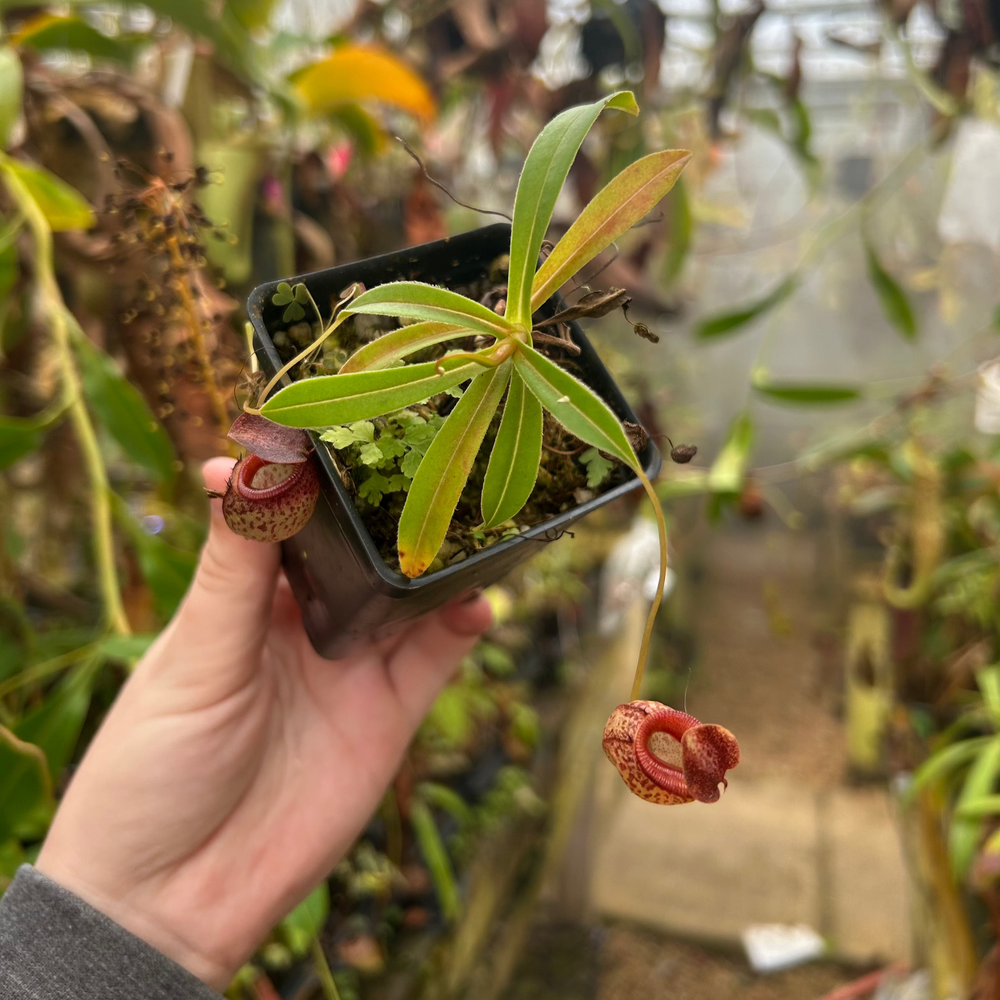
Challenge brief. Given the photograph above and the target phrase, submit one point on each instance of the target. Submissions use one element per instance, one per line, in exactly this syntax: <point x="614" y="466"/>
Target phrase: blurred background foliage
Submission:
<point x="824" y="281"/>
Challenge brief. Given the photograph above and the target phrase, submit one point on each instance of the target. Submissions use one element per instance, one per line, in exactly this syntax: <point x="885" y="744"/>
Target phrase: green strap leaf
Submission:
<point x="729" y="468"/>
<point x="730" y="322"/>
<point x="11" y="90"/>
<point x="25" y="784"/>
<point x="578" y="408"/>
<point x="123" y="411"/>
<point x="441" y="476"/>
<point x="613" y="211"/>
<point x="964" y="834"/>
<point x="988" y="680"/>
<point x="806" y="393"/>
<point x="988" y="805"/>
<point x="63" y="206"/>
<point x="330" y="400"/>
<point x="680" y="222"/>
<point x="436" y="858"/>
<point x="304" y="923"/>
<point x="941" y="764"/>
<point x="167" y="570"/>
<point x="48" y="32"/>
<point x="397" y="344"/>
<point x="19" y="436"/>
<point x="415" y="300"/>
<point x="891" y="296"/>
<point x="513" y="468"/>
<point x="544" y="173"/>
<point x="42" y="741"/>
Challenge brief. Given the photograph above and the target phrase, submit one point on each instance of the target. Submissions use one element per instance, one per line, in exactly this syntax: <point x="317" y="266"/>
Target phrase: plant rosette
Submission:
<point x="509" y="371"/>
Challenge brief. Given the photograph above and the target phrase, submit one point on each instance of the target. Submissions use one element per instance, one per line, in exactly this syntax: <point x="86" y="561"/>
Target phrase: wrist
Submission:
<point x="141" y="920"/>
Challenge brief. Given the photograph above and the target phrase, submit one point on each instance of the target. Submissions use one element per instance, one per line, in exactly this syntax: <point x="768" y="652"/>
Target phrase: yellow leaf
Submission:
<point x="356" y="73"/>
<point x="63" y="206"/>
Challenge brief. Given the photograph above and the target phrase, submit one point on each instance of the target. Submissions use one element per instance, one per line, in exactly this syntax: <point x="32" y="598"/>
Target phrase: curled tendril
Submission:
<point x="273" y="490"/>
<point x="703" y="753"/>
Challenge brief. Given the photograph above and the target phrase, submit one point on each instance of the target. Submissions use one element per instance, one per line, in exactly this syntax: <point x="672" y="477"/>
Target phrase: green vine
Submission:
<point x="59" y="319"/>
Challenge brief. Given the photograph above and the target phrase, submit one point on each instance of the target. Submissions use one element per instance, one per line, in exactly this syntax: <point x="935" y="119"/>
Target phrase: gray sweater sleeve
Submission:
<point x="54" y="946"/>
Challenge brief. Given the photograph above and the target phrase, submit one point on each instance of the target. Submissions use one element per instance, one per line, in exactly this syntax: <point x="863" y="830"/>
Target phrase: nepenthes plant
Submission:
<point x="506" y="371"/>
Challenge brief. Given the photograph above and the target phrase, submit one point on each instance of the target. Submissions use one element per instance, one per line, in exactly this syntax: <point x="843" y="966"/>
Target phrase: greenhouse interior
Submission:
<point x="500" y="499"/>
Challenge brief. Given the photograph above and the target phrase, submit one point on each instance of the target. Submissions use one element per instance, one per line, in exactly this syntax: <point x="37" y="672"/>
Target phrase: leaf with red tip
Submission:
<point x="270" y="441"/>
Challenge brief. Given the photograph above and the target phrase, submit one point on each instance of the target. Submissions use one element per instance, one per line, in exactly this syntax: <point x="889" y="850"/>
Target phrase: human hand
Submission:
<point x="237" y="766"/>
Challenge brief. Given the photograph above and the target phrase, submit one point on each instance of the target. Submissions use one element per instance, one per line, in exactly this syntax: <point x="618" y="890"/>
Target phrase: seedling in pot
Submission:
<point x="376" y="381"/>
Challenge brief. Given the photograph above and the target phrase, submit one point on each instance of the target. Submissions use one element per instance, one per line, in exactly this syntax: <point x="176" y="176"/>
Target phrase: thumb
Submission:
<point x="230" y="598"/>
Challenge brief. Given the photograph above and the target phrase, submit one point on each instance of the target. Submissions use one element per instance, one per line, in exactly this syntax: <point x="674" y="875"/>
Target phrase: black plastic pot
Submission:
<point x="345" y="589"/>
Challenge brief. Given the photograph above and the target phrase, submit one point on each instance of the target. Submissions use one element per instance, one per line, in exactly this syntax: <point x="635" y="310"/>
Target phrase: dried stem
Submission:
<point x="197" y="333"/>
<point x="58" y="316"/>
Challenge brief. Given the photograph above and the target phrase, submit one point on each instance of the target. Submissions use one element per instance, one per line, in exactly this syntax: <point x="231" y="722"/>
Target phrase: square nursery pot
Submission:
<point x="345" y="589"/>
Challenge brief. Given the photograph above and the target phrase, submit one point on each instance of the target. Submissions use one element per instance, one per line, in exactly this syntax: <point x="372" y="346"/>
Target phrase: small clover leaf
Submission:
<point x="301" y="293"/>
<point x="293" y="313"/>
<point x="283" y="295"/>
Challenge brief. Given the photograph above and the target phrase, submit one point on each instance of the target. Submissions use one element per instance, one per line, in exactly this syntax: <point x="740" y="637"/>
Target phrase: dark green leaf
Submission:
<point x="443" y="473"/>
<point x="18" y="437"/>
<point x="807" y="393"/>
<point x="25" y="786"/>
<point x="513" y="468"/>
<point x="127" y="648"/>
<point x="436" y="858"/>
<point x="11" y="87"/>
<point x="27" y="773"/>
<point x="578" y="408"/>
<point x="124" y="412"/>
<point x="730" y="322"/>
<point x="166" y="570"/>
<point x="8" y="270"/>
<point x="544" y="173"/>
<point x="55" y="725"/>
<point x="891" y="296"/>
<point x="330" y="400"/>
